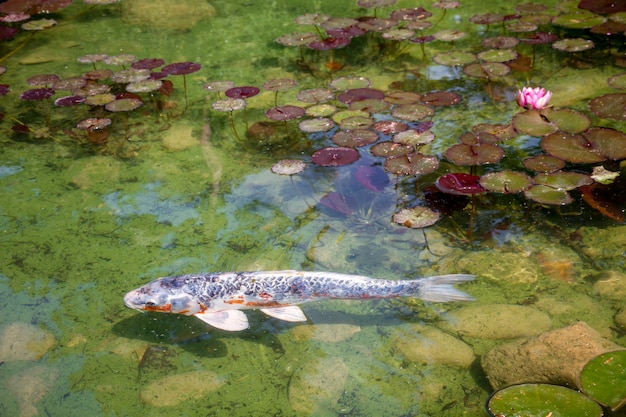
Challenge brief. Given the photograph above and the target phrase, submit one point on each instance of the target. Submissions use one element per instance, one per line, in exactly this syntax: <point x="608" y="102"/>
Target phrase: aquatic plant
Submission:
<point x="533" y="98"/>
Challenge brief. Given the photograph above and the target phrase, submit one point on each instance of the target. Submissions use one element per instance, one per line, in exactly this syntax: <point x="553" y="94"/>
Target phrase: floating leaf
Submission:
<point x="500" y="42"/>
<point x="389" y="149"/>
<point x="610" y="200"/>
<point x="441" y="98"/>
<point x="567" y="120"/>
<point x="357" y="94"/>
<point x="373" y="178"/>
<point x="498" y="55"/>
<point x="412" y="112"/>
<point x="389" y="127"/>
<point x="414" y="138"/>
<point x="356" y="122"/>
<point x="370" y="105"/>
<point x="346" y="114"/>
<point x="477" y="154"/>
<point x="609" y="106"/>
<point x="541" y="400"/>
<point x="334" y="156"/>
<point x="573" y="45"/>
<point x="319" y="124"/>
<point x="548" y="195"/>
<point x="283" y="113"/>
<point x="617" y="81"/>
<point x="544" y="163"/>
<point x="609" y="143"/>
<point x="321" y="110"/>
<point x="507" y="182"/>
<point x="531" y="123"/>
<point x="416" y="217"/>
<point x="402" y="97"/>
<point x="412" y="164"/>
<point x="604" y="379"/>
<point x="563" y="180"/>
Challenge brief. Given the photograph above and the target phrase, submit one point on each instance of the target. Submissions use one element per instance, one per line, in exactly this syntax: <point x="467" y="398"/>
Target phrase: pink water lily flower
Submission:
<point x="533" y="98"/>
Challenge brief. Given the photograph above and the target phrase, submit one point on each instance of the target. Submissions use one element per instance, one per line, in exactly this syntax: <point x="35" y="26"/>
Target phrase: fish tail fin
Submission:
<point x="441" y="288"/>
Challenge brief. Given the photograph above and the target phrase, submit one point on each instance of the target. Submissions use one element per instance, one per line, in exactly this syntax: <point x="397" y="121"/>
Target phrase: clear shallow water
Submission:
<point x="82" y="225"/>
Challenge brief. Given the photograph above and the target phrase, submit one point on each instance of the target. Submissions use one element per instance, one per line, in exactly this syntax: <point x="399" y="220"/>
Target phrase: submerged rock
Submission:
<point x="166" y="14"/>
<point x="29" y="386"/>
<point x="178" y="138"/>
<point x="326" y="332"/>
<point x="24" y="342"/>
<point x="611" y="284"/>
<point x="318" y="385"/>
<point x="175" y="389"/>
<point x="554" y="357"/>
<point x="427" y="344"/>
<point x="498" y="321"/>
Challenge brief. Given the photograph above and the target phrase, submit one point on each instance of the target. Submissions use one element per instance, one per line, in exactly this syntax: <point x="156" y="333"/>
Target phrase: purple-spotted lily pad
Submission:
<point x="288" y="167"/>
<point x="573" y="45"/>
<point x="389" y="127"/>
<point x="319" y="124"/>
<point x="543" y="163"/>
<point x="283" y="113"/>
<point x="347" y="83"/>
<point x="69" y="101"/>
<point x="373" y="178"/>
<point x="412" y="164"/>
<point x="459" y="183"/>
<point x="242" y="92"/>
<point x="487" y="70"/>
<point x="389" y="149"/>
<point x="37" y="94"/>
<point x="334" y="156"/>
<point x="416" y="217"/>
<point x="571" y="148"/>
<point x="500" y="42"/>
<point x="567" y="120"/>
<point x="413" y="112"/>
<point x="582" y="19"/>
<point x="441" y="98"/>
<point x="355" y="138"/>
<point x="477" y="154"/>
<point x="454" y="58"/>
<point x="356" y="122"/>
<point x="357" y="94"/>
<point x="563" y="180"/>
<point x="607" y="142"/>
<point x="531" y="123"/>
<point x="329" y="43"/>
<point x="402" y="97"/>
<point x="609" y="106"/>
<point x="544" y="194"/>
<point x="507" y="182"/>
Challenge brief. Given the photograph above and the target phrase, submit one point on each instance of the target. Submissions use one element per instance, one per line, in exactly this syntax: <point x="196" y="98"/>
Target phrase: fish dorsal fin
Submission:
<point x="291" y="313"/>
<point x="230" y="320"/>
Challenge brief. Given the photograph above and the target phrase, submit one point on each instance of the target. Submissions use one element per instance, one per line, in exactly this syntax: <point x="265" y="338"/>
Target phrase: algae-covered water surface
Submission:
<point x="148" y="138"/>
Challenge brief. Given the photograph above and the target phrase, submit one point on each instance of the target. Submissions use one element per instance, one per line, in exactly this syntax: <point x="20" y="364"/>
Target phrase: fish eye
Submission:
<point x="150" y="304"/>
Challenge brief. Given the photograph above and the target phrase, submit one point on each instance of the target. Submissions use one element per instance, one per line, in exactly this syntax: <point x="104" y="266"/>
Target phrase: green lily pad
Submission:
<point x="413" y="112"/>
<point x="454" y="58"/>
<point x="416" y="217"/>
<point x="487" y="70"/>
<point x="579" y="20"/>
<point x="609" y="106"/>
<point x="531" y="123"/>
<point x="617" y="81"/>
<point x="547" y="195"/>
<point x="563" y="180"/>
<point x="543" y="163"/>
<point x="321" y="110"/>
<point x="571" y="148"/>
<point x="412" y="164"/>
<point x="567" y="120"/>
<point x="609" y="143"/>
<point x="507" y="182"/>
<point x="476" y="154"/>
<point x="356" y="122"/>
<point x="604" y="379"/>
<point x="498" y="55"/>
<point x="573" y="45"/>
<point x="345" y="114"/>
<point x="541" y="400"/>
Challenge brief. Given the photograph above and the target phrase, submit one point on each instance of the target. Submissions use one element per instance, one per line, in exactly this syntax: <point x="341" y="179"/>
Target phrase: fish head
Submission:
<point x="160" y="295"/>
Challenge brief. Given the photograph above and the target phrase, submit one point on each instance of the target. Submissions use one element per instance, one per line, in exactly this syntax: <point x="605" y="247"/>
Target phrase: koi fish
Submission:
<point x="219" y="298"/>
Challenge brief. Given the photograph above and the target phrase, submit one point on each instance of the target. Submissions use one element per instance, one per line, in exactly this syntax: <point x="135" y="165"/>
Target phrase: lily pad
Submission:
<point x="617" y="81"/>
<point x="355" y="138"/>
<point x="345" y="114"/>
<point x="356" y="122"/>
<point x="416" y="217"/>
<point x="563" y="180"/>
<point x="579" y="20"/>
<point x="609" y="106"/>
<point x="567" y="120"/>
<point x="540" y="400"/>
<point x="454" y="58"/>
<point x="459" y="183"/>
<point x="507" y="182"/>
<point x="531" y="123"/>
<point x="412" y="164"/>
<point x="346" y="83"/>
<point x="441" y="98"/>
<point x="334" y="156"/>
<point x="477" y="154"/>
<point x="413" y="112"/>
<point x="487" y="70"/>
<point x="414" y="138"/>
<point x="547" y="195"/>
<point x="571" y="148"/>
<point x="319" y="124"/>
<point x="604" y="379"/>
<point x="544" y="163"/>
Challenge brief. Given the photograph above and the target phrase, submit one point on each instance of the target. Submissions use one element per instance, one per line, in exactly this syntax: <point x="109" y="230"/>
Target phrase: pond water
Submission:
<point x="180" y="186"/>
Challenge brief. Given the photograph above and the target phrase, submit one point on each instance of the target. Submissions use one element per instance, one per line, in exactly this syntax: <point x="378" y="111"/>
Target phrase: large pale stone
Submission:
<point x="166" y="14"/>
<point x="29" y="386"/>
<point x="24" y="342"/>
<point x="175" y="389"/>
<point x="428" y="344"/>
<point x="498" y="321"/>
<point x="554" y="357"/>
<point x="318" y="385"/>
<point x="611" y="284"/>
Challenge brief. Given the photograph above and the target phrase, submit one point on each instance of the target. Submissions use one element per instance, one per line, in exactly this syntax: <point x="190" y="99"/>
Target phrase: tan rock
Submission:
<point x="429" y="344"/>
<point x="175" y="389"/>
<point x="180" y="15"/>
<point x="611" y="284"/>
<point x="554" y="357"/>
<point x="30" y="386"/>
<point x="498" y="321"/>
<point x="24" y="342"/>
<point x="318" y="385"/>
<point x="325" y="332"/>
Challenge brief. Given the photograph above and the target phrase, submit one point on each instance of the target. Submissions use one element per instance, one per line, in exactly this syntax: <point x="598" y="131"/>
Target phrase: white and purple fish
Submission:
<point x="218" y="298"/>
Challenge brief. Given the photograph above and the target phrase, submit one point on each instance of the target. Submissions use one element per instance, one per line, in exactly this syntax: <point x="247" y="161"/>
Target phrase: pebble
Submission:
<point x="427" y="344"/>
<point x="175" y="389"/>
<point x="24" y="342"/>
<point x="498" y="321"/>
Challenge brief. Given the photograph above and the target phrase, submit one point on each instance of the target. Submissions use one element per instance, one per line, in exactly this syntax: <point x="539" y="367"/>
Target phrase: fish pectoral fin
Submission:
<point x="291" y="313"/>
<point x="230" y="320"/>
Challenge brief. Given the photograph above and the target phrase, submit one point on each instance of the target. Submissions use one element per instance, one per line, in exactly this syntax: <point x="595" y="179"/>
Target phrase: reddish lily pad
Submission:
<point x="389" y="127"/>
<point x="355" y="138"/>
<point x="242" y="92"/>
<point x="454" y="58"/>
<point x="357" y="94"/>
<point x="283" y="113"/>
<point x="182" y="68"/>
<point x="507" y="182"/>
<point x="500" y="42"/>
<point x="412" y="164"/>
<point x="603" y="6"/>
<point x="37" y="94"/>
<point x="413" y="112"/>
<point x="459" y="183"/>
<point x="416" y="217"/>
<point x="329" y="43"/>
<point x="335" y="156"/>
<point x="609" y="106"/>
<point x="389" y="149"/>
<point x="544" y="163"/>
<point x="610" y="200"/>
<point x="441" y="98"/>
<point x="503" y="132"/>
